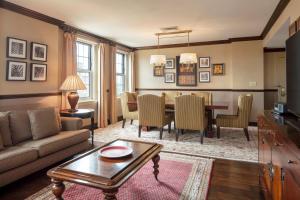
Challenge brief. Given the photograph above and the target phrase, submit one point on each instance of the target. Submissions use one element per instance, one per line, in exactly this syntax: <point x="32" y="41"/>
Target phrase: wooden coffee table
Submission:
<point x="92" y="170"/>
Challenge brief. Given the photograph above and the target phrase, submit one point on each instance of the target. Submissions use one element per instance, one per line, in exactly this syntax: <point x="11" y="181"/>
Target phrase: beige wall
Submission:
<point x="32" y="30"/>
<point x="243" y="64"/>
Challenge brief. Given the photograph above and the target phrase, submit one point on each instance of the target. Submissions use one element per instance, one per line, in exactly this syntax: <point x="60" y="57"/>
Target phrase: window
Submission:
<point x="120" y="73"/>
<point x="84" y="68"/>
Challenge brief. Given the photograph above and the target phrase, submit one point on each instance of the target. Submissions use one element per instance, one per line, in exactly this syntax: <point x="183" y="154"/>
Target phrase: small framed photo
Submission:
<point x="204" y="77"/>
<point x="38" y="72"/>
<point x="158" y="71"/>
<point x="169" y="77"/>
<point x="39" y="52"/>
<point x="170" y="63"/>
<point x="218" y="69"/>
<point x="16" y="71"/>
<point x="16" y="48"/>
<point x="204" y="62"/>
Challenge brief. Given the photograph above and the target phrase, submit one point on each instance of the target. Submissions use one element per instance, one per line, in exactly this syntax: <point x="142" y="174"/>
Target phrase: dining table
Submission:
<point x="209" y="109"/>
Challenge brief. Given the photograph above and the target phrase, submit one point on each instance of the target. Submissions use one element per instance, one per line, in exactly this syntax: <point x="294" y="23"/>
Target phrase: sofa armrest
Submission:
<point x="71" y="123"/>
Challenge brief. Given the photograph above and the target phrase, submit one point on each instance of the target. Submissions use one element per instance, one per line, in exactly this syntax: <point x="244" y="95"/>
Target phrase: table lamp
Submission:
<point x="71" y="85"/>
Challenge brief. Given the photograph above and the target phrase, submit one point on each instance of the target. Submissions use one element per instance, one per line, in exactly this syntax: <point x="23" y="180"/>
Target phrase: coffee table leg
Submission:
<point x="155" y="160"/>
<point x="110" y="194"/>
<point x="58" y="188"/>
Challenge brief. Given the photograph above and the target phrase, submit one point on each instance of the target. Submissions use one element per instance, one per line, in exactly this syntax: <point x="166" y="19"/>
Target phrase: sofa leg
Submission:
<point x="169" y="127"/>
<point x="218" y="132"/>
<point x="246" y="134"/>
<point x="140" y="130"/>
<point x="123" y="125"/>
<point x="131" y="121"/>
<point x="202" y="134"/>
<point x="177" y="134"/>
<point x="161" y="132"/>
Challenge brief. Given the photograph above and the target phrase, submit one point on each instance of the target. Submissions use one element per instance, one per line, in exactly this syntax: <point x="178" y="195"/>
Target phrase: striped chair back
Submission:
<point x="207" y="96"/>
<point x="151" y="109"/>
<point x="244" y="109"/>
<point x="171" y="95"/>
<point x="190" y="112"/>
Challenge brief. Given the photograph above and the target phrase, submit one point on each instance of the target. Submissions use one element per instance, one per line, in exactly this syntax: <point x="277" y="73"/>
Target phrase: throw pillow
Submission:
<point x="1" y="142"/>
<point x="4" y="129"/>
<point x="19" y="126"/>
<point x="43" y="123"/>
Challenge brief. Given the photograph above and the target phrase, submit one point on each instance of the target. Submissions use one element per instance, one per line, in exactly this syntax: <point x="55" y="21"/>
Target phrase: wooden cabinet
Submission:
<point x="279" y="156"/>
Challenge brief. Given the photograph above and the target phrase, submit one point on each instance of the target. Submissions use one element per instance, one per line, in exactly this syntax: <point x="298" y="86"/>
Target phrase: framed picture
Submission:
<point x="16" y="48"/>
<point x="170" y="63"/>
<point x="186" y="74"/>
<point x="38" y="72"/>
<point x="169" y="77"/>
<point x="16" y="71"/>
<point x="158" y="71"/>
<point x="218" y="69"/>
<point x="204" y="77"/>
<point x="204" y="62"/>
<point x="39" y="52"/>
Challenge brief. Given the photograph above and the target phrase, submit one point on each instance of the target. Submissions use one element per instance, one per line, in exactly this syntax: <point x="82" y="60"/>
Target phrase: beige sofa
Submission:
<point x="22" y="152"/>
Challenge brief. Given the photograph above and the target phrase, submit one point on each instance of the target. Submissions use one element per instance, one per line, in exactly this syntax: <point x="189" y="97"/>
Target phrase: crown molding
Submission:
<point x="276" y="14"/>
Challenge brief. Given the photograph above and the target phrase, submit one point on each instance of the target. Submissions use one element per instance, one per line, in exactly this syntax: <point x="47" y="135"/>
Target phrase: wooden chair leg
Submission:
<point x="177" y="134"/>
<point x="161" y="132"/>
<point x="246" y="134"/>
<point x="123" y="125"/>
<point x="169" y="127"/>
<point x="140" y="130"/>
<point x="174" y="125"/>
<point x="202" y="134"/>
<point x="181" y="130"/>
<point x="131" y="121"/>
<point x="218" y="132"/>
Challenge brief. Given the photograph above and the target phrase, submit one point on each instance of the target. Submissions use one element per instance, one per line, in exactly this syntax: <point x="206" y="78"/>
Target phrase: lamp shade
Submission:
<point x="158" y="60"/>
<point x="188" y="58"/>
<point x="72" y="83"/>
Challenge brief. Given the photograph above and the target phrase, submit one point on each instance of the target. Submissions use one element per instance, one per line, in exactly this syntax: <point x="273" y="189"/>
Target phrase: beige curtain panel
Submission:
<point x="131" y="72"/>
<point x="113" y="95"/>
<point x="69" y="62"/>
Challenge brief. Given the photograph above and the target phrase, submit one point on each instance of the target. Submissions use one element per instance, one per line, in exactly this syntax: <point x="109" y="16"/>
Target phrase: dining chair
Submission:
<point x="207" y="96"/>
<point x="190" y="114"/>
<point x="151" y="111"/>
<point x="241" y="119"/>
<point x="126" y="111"/>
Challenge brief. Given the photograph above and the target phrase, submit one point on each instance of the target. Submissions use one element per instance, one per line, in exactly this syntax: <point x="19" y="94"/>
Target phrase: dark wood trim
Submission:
<point x="201" y="89"/>
<point x="277" y="12"/>
<point x="18" y="96"/>
<point x="61" y="24"/>
<point x="251" y="38"/>
<point x="267" y="50"/>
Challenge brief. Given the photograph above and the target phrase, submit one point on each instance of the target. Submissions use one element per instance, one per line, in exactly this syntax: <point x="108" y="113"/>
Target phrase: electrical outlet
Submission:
<point x="252" y="83"/>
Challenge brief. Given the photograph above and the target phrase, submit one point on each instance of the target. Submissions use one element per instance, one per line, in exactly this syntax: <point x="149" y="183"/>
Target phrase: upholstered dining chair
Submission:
<point x="241" y="119"/>
<point x="190" y="114"/>
<point x="207" y="96"/>
<point x="171" y="95"/>
<point x="126" y="111"/>
<point x="151" y="110"/>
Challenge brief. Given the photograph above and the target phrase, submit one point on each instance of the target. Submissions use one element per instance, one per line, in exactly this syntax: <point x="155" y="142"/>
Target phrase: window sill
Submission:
<point x="87" y="101"/>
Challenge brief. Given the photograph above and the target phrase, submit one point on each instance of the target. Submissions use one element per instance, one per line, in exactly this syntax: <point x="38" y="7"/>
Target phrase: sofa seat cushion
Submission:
<point x="57" y="142"/>
<point x="13" y="157"/>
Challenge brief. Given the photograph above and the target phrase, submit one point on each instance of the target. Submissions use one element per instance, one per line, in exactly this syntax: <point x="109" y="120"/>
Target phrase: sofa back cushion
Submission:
<point x="44" y="123"/>
<point x="19" y="126"/>
<point x="1" y="142"/>
<point x="4" y="129"/>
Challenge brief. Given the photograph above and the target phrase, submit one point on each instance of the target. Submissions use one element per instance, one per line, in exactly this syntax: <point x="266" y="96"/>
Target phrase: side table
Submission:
<point x="83" y="114"/>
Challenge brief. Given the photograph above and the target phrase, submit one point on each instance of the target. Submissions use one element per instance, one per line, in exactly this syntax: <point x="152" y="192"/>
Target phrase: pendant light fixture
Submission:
<point x="158" y="60"/>
<point x="188" y="58"/>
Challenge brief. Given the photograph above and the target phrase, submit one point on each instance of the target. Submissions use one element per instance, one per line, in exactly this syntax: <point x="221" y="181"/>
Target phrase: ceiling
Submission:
<point x="134" y="22"/>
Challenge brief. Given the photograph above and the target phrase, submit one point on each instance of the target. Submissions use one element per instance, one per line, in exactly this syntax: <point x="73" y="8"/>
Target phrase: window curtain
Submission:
<point x="131" y="72"/>
<point x="113" y="95"/>
<point x="103" y="84"/>
<point x="69" y="62"/>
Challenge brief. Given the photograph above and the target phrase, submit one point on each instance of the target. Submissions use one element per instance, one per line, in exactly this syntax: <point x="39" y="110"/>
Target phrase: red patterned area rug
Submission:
<point x="180" y="177"/>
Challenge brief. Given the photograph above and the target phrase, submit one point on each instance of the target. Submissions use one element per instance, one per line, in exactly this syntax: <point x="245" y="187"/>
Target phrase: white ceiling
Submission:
<point x="134" y="22"/>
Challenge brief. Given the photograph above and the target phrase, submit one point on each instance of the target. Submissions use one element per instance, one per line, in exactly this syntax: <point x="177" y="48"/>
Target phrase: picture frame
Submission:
<point x="218" y="69"/>
<point x="38" y="72"/>
<point x="16" y="71"/>
<point x="186" y="74"/>
<point x="169" y="77"/>
<point x="204" y="77"/>
<point x="39" y="52"/>
<point x="204" y="62"/>
<point x="170" y="63"/>
<point x="158" y="71"/>
<point x="16" y="48"/>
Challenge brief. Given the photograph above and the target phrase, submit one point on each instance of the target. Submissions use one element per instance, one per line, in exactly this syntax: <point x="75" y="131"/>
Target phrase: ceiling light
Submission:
<point x="158" y="60"/>
<point x="188" y="58"/>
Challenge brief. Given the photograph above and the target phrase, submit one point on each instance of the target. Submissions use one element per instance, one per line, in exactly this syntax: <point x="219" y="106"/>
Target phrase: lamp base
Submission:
<point x="73" y="98"/>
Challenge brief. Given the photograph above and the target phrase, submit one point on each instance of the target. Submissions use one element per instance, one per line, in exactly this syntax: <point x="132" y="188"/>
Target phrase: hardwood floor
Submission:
<point x="232" y="180"/>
